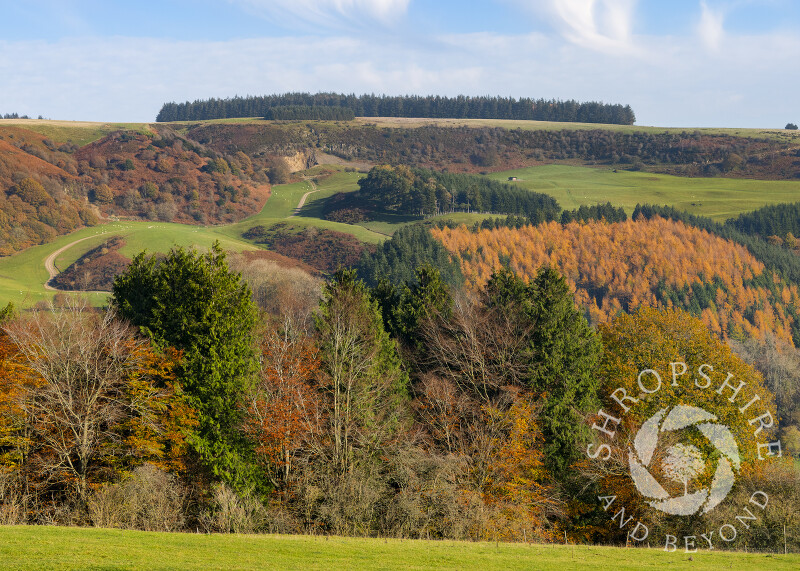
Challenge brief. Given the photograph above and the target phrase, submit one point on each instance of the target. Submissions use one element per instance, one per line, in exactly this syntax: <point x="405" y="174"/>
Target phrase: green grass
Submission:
<point x="285" y="198"/>
<point x="35" y="548"/>
<point x="23" y="275"/>
<point x="716" y="198"/>
<point x="77" y="132"/>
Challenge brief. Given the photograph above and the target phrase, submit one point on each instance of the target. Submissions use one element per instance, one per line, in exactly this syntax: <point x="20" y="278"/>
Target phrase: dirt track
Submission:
<point x="303" y="199"/>
<point x="50" y="261"/>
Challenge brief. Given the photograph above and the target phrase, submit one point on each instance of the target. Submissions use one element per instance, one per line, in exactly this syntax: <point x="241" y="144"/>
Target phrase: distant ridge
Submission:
<point x="430" y="106"/>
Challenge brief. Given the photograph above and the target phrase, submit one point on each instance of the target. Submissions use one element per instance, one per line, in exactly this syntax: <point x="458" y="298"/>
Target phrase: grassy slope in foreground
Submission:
<point x="28" y="547"/>
<point x="716" y="198"/>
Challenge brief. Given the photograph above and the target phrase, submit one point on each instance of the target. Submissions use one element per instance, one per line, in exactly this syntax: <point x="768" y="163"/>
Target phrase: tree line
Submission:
<point x="460" y="107"/>
<point x="423" y="192"/>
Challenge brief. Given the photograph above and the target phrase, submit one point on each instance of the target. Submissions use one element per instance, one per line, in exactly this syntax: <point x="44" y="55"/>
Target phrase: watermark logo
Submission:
<point x="682" y="439"/>
<point x="683" y="462"/>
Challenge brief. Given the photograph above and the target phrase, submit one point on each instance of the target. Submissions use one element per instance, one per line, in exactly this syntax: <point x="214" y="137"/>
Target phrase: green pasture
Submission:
<point x="38" y="548"/>
<point x="22" y="276"/>
<point x="285" y="197"/>
<point x="78" y="132"/>
<point x="716" y="198"/>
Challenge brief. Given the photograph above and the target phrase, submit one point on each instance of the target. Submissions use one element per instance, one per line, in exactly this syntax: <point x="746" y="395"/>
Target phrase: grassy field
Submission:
<point x="285" y="198"/>
<point x="716" y="198"/>
<point x="23" y="275"/>
<point x="77" y="132"/>
<point x="34" y="548"/>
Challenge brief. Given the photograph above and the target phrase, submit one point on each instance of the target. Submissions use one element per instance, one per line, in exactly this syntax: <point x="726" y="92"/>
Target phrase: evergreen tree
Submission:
<point x="562" y="352"/>
<point x="192" y="302"/>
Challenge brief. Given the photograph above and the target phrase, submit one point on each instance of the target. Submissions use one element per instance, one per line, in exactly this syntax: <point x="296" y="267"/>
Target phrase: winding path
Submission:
<point x="303" y="199"/>
<point x="50" y="261"/>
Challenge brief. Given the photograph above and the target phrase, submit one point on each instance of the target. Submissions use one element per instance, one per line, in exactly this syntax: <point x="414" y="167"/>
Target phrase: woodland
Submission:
<point x="407" y="410"/>
<point x="307" y="106"/>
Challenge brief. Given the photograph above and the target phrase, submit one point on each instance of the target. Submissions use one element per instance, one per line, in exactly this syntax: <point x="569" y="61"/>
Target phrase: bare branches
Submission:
<point x="77" y="365"/>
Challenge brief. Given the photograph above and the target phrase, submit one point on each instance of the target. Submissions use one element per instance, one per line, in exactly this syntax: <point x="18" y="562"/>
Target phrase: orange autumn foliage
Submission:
<point x="516" y="472"/>
<point x="621" y="266"/>
<point x="155" y="429"/>
<point x="283" y="407"/>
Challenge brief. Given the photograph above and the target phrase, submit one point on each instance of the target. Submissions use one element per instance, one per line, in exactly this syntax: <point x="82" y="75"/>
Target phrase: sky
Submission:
<point x="678" y="63"/>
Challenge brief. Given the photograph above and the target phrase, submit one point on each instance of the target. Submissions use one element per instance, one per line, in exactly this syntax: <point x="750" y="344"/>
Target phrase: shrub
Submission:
<point x="147" y="499"/>
<point x="232" y="513"/>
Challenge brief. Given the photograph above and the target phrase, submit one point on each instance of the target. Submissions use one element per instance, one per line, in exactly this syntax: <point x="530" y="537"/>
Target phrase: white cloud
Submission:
<point x="601" y="25"/>
<point x="710" y="28"/>
<point x="328" y="13"/>
<point x="128" y="79"/>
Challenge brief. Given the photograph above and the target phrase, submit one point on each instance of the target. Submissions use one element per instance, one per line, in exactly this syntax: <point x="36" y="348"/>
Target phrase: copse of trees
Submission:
<point x="423" y="192"/>
<point x="460" y="107"/>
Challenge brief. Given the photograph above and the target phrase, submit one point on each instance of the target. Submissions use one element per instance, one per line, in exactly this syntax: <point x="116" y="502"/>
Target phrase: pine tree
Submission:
<point x="562" y="352"/>
<point x="192" y="302"/>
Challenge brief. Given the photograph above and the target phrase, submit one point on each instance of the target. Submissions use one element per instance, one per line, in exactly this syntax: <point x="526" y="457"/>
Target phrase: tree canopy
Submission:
<point x="193" y="302"/>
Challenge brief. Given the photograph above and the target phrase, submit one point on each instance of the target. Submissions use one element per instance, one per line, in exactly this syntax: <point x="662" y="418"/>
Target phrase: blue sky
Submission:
<point x="691" y="63"/>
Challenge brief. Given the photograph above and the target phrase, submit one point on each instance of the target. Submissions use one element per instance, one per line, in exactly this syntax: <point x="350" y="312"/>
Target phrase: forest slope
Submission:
<point x="618" y="267"/>
<point x="50" y="188"/>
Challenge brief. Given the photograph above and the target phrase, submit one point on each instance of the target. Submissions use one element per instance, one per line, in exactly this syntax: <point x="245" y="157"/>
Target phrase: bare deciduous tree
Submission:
<point x="78" y="362"/>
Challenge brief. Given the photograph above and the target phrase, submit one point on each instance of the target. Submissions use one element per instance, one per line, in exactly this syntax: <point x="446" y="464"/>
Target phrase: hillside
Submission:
<point x="161" y="176"/>
<point x="49" y="188"/>
<point x="618" y="267"/>
<point x="483" y="146"/>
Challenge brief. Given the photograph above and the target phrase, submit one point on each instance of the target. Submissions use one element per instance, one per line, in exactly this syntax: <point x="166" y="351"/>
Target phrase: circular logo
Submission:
<point x="682" y="463"/>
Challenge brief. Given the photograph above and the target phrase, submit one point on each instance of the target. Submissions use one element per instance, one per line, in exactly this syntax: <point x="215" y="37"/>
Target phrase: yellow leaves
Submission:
<point x="623" y="265"/>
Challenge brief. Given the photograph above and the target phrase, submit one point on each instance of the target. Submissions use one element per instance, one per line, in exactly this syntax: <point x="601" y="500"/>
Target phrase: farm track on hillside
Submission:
<point x="50" y="262"/>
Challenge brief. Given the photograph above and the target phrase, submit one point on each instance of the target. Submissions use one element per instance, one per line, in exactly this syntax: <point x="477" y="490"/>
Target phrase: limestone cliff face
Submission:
<point x="301" y="160"/>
